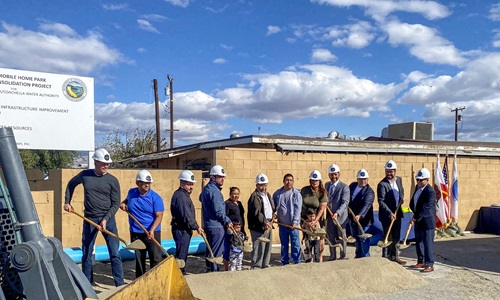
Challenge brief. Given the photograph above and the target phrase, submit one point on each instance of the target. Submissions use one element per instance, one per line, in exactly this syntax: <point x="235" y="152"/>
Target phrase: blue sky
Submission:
<point x="292" y="67"/>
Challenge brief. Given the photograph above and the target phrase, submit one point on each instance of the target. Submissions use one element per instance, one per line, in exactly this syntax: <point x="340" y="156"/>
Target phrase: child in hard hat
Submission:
<point x="312" y="242"/>
<point x="236" y="244"/>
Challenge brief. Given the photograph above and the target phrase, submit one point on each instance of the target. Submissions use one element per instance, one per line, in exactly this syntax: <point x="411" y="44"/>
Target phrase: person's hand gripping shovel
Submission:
<point x="363" y="234"/>
<point x="385" y="243"/>
<point x="135" y="245"/>
<point x="343" y="237"/>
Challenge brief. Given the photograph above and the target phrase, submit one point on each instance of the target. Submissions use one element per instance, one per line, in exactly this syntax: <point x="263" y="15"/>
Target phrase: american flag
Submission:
<point x="445" y="170"/>
<point x="445" y="188"/>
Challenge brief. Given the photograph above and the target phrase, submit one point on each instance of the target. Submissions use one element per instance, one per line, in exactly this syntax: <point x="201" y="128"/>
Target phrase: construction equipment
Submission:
<point x="404" y="245"/>
<point x="180" y="262"/>
<point x="363" y="234"/>
<point x="135" y="245"/>
<point x="164" y="281"/>
<point x="33" y="266"/>
<point x="216" y="260"/>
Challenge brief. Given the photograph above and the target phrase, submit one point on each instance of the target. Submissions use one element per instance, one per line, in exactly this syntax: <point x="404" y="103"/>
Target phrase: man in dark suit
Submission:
<point x="423" y="205"/>
<point x="362" y="197"/>
<point x="390" y="194"/>
<point x="338" y="200"/>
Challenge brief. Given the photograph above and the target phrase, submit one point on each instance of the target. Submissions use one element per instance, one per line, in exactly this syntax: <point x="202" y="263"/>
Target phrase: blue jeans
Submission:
<point x="89" y="235"/>
<point x="362" y="244"/>
<point x="291" y="236"/>
<point x="215" y="237"/>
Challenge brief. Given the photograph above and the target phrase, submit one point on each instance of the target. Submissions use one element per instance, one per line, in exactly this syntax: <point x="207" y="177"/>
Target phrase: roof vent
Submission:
<point x="337" y="135"/>
<point x="234" y="135"/>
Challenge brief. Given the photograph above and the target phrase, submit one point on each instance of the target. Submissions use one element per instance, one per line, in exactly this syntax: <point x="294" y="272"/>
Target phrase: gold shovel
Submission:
<point x="246" y="246"/>
<point x="308" y="232"/>
<point x="363" y="234"/>
<point x="135" y="245"/>
<point x="343" y="237"/>
<point x="404" y="245"/>
<point x="387" y="243"/>
<point x="263" y="238"/>
<point x="180" y="262"/>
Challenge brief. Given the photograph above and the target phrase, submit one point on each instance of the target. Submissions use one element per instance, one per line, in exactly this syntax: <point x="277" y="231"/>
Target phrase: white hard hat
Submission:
<point x="423" y="174"/>
<point x="362" y="174"/>
<point x="102" y="155"/>
<point x="187" y="175"/>
<point x="333" y="169"/>
<point x="144" y="176"/>
<point x="315" y="175"/>
<point x="261" y="179"/>
<point x="217" y="170"/>
<point x="391" y="165"/>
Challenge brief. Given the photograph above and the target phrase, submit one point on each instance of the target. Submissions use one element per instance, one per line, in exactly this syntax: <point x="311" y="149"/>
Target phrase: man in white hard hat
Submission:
<point x="361" y="205"/>
<point x="338" y="200"/>
<point x="101" y="201"/>
<point x="183" y="216"/>
<point x="423" y="205"/>
<point x="147" y="207"/>
<point x="260" y="222"/>
<point x="288" y="203"/>
<point x="390" y="194"/>
<point x="214" y="214"/>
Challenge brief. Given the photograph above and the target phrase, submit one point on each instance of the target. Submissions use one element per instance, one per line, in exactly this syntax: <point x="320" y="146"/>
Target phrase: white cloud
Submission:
<point x="154" y="17"/>
<point x="59" y="49"/>
<point x="272" y="29"/>
<point x="147" y="26"/>
<point x="120" y="6"/>
<point x="479" y="80"/>
<point x="425" y="43"/>
<point x="496" y="38"/>
<point x="226" y="47"/>
<point x="181" y="3"/>
<point x="322" y="55"/>
<point x="219" y="61"/>
<point x="142" y="50"/>
<point x="357" y="35"/>
<point x="381" y="8"/>
<point x="495" y="12"/>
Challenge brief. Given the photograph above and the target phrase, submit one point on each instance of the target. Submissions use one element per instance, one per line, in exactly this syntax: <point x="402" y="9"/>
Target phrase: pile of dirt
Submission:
<point x="336" y="279"/>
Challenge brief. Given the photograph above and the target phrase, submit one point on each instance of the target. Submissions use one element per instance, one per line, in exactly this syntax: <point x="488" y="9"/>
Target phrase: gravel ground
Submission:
<point x="466" y="267"/>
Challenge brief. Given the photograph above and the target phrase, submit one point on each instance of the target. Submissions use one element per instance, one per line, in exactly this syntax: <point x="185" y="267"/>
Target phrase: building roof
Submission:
<point x="287" y="143"/>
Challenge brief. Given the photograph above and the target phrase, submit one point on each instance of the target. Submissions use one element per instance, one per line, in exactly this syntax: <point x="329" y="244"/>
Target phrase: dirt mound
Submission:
<point x="330" y="280"/>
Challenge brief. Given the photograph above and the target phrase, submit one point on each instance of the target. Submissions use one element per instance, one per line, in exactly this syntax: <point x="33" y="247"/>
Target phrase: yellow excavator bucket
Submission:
<point x="164" y="281"/>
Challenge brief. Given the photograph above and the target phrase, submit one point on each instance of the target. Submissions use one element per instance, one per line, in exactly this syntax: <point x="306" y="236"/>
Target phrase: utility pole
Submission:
<point x="458" y="117"/>
<point x="171" y="89"/>
<point x="157" y="116"/>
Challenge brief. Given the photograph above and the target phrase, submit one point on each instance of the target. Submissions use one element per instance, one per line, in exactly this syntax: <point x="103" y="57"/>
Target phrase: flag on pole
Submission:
<point x="454" y="191"/>
<point x="438" y="187"/>
<point x="445" y="188"/>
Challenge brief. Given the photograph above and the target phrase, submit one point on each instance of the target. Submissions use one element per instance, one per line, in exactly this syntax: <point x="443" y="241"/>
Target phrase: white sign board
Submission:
<point x="48" y="111"/>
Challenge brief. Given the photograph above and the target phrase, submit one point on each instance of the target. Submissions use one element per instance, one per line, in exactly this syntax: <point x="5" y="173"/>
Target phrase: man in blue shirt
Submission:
<point x="288" y="203"/>
<point x="214" y="214"/>
<point x="147" y="207"/>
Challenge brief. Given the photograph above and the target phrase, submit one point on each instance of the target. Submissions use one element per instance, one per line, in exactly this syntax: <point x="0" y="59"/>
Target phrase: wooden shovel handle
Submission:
<point x="291" y="227"/>
<point x="147" y="232"/>
<point x="98" y="226"/>
<point x="392" y="222"/>
<point x="357" y="222"/>
<point x="408" y="232"/>
<point x="208" y="245"/>
<point x="334" y="220"/>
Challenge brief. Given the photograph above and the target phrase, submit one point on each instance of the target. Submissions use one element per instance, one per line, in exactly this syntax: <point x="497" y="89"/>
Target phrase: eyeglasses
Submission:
<point x="419" y="180"/>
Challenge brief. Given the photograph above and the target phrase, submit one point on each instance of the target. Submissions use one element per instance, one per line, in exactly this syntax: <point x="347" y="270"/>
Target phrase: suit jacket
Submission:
<point x="339" y="200"/>
<point x="255" y="216"/>
<point x="424" y="212"/>
<point x="386" y="200"/>
<point x="362" y="203"/>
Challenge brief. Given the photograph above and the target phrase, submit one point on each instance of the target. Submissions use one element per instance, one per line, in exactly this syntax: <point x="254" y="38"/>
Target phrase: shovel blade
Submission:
<point x="136" y="245"/>
<point x="403" y="246"/>
<point x="263" y="239"/>
<point x="216" y="260"/>
<point x="365" y="236"/>
<point x="180" y="262"/>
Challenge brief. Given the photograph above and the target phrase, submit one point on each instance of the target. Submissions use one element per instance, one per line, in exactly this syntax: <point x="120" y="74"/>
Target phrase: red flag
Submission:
<point x="438" y="186"/>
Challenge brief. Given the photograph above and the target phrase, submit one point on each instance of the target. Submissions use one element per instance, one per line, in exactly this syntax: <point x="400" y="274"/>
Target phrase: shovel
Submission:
<point x="263" y="238"/>
<point x="363" y="234"/>
<point x="135" y="245"/>
<point x="308" y="232"/>
<point x="386" y="243"/>
<point x="246" y="247"/>
<point x="336" y="245"/>
<point x="216" y="260"/>
<point x="180" y="262"/>
<point x="404" y="245"/>
<point x="343" y="237"/>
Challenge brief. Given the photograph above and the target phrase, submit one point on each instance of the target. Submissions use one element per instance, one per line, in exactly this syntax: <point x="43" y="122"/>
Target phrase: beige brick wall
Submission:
<point x="477" y="177"/>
